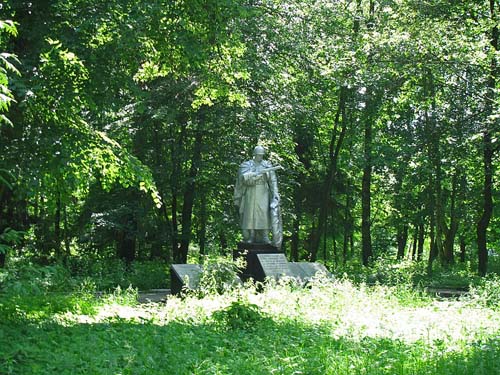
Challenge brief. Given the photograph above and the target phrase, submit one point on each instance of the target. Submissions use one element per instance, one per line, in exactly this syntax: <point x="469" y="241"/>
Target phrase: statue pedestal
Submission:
<point x="253" y="267"/>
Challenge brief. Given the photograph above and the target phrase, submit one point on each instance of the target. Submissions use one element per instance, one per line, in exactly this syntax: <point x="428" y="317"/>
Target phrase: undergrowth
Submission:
<point x="51" y="322"/>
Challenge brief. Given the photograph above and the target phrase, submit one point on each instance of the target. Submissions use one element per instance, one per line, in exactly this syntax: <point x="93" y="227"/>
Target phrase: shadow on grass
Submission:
<point x="266" y="347"/>
<point x="43" y="306"/>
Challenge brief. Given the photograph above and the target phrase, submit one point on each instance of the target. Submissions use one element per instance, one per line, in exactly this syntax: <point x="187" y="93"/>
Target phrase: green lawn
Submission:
<point x="329" y="328"/>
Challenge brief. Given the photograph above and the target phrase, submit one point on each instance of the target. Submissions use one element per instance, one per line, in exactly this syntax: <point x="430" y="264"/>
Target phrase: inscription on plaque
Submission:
<point x="184" y="275"/>
<point x="274" y="265"/>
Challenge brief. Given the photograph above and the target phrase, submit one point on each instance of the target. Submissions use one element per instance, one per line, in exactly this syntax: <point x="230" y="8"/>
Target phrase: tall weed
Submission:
<point x="219" y="275"/>
<point x="486" y="291"/>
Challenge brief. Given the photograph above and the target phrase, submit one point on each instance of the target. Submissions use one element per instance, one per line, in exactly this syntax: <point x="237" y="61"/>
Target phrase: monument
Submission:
<point x="258" y="201"/>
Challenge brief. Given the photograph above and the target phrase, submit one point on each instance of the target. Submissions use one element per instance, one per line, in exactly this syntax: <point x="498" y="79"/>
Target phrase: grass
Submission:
<point x="331" y="327"/>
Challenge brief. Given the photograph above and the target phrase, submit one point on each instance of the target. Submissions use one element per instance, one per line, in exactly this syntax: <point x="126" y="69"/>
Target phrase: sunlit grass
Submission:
<point x="329" y="327"/>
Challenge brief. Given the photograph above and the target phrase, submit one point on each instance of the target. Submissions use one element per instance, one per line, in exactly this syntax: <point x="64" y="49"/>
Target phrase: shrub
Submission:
<point x="239" y="315"/>
<point x="219" y="275"/>
<point x="108" y="273"/>
<point x="30" y="279"/>
<point x="486" y="291"/>
<point x="146" y="275"/>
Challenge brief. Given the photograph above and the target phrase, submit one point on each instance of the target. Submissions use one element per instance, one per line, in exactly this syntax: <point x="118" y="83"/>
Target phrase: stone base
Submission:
<point x="250" y="251"/>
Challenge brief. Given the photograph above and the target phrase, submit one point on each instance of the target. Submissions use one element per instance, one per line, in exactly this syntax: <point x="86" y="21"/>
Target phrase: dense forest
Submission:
<point x="123" y="123"/>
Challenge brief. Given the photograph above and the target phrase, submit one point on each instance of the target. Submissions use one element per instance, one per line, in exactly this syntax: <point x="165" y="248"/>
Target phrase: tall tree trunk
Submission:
<point x="487" y="208"/>
<point x="448" y="255"/>
<point x="366" y="238"/>
<point x="202" y="233"/>
<point x="223" y="242"/>
<point x="294" y="246"/>
<point x="421" y="237"/>
<point x="401" y="221"/>
<point x="189" y="194"/>
<point x="175" y="154"/>
<point x="414" y="244"/>
<point x="347" y="231"/>
<point x="433" y="253"/>
<point x="175" y="229"/>
<point x="168" y="227"/>
<point x="462" y="249"/>
<point x="125" y="246"/>
<point x="57" y="224"/>
<point x="435" y="204"/>
<point x="336" y="141"/>
<point x="402" y="240"/>
<point x="5" y="215"/>
<point x="66" y="231"/>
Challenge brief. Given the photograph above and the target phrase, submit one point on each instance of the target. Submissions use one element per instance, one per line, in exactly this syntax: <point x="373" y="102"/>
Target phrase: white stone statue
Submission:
<point x="257" y="198"/>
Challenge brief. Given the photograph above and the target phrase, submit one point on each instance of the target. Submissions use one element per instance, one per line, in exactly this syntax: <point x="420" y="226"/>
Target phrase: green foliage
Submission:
<point x="486" y="291"/>
<point x="27" y="278"/>
<point x="219" y="275"/>
<point x="167" y="99"/>
<point x="29" y="292"/>
<point x="7" y="61"/>
<point x="124" y="297"/>
<point x="146" y="275"/>
<point x="107" y="274"/>
<point x="240" y="315"/>
<point x="8" y="238"/>
<point x="321" y="330"/>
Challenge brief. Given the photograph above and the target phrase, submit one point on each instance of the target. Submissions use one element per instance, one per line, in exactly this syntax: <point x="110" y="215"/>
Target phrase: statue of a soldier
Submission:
<point x="257" y="198"/>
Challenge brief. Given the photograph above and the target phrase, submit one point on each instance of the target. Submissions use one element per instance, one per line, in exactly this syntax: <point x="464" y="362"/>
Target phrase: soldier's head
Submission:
<point x="258" y="153"/>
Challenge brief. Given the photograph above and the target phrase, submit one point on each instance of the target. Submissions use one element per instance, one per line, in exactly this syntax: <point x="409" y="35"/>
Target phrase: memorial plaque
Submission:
<point x="305" y="271"/>
<point x="249" y="252"/>
<point x="274" y="265"/>
<point x="184" y="275"/>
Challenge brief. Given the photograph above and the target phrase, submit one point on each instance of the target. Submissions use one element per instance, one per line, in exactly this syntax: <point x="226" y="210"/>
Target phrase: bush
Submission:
<point x="219" y="275"/>
<point x="27" y="278"/>
<point x="239" y="315"/>
<point x="147" y="275"/>
<point x="108" y="273"/>
<point x="486" y="291"/>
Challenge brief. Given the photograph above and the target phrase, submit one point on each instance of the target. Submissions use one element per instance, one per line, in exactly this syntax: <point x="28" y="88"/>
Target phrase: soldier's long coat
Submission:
<point x="253" y="193"/>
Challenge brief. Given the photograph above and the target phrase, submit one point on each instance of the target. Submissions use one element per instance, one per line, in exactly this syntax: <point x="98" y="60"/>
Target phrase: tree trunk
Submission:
<point x="348" y="220"/>
<point x="202" y="233"/>
<point x="126" y="246"/>
<point x="57" y="225"/>
<point x="421" y="237"/>
<point x="448" y="255"/>
<point x="400" y="220"/>
<point x="435" y="204"/>
<point x="414" y="244"/>
<point x="176" y="152"/>
<point x="366" y="239"/>
<point x="432" y="246"/>
<point x="462" y="249"/>
<point x="487" y="208"/>
<point x="294" y="246"/>
<point x="482" y="225"/>
<point x="189" y="194"/>
<point x="402" y="240"/>
<point x="66" y="232"/>
<point x="175" y="230"/>
<point x="223" y="242"/>
<point x="168" y="227"/>
<point x="334" y="151"/>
